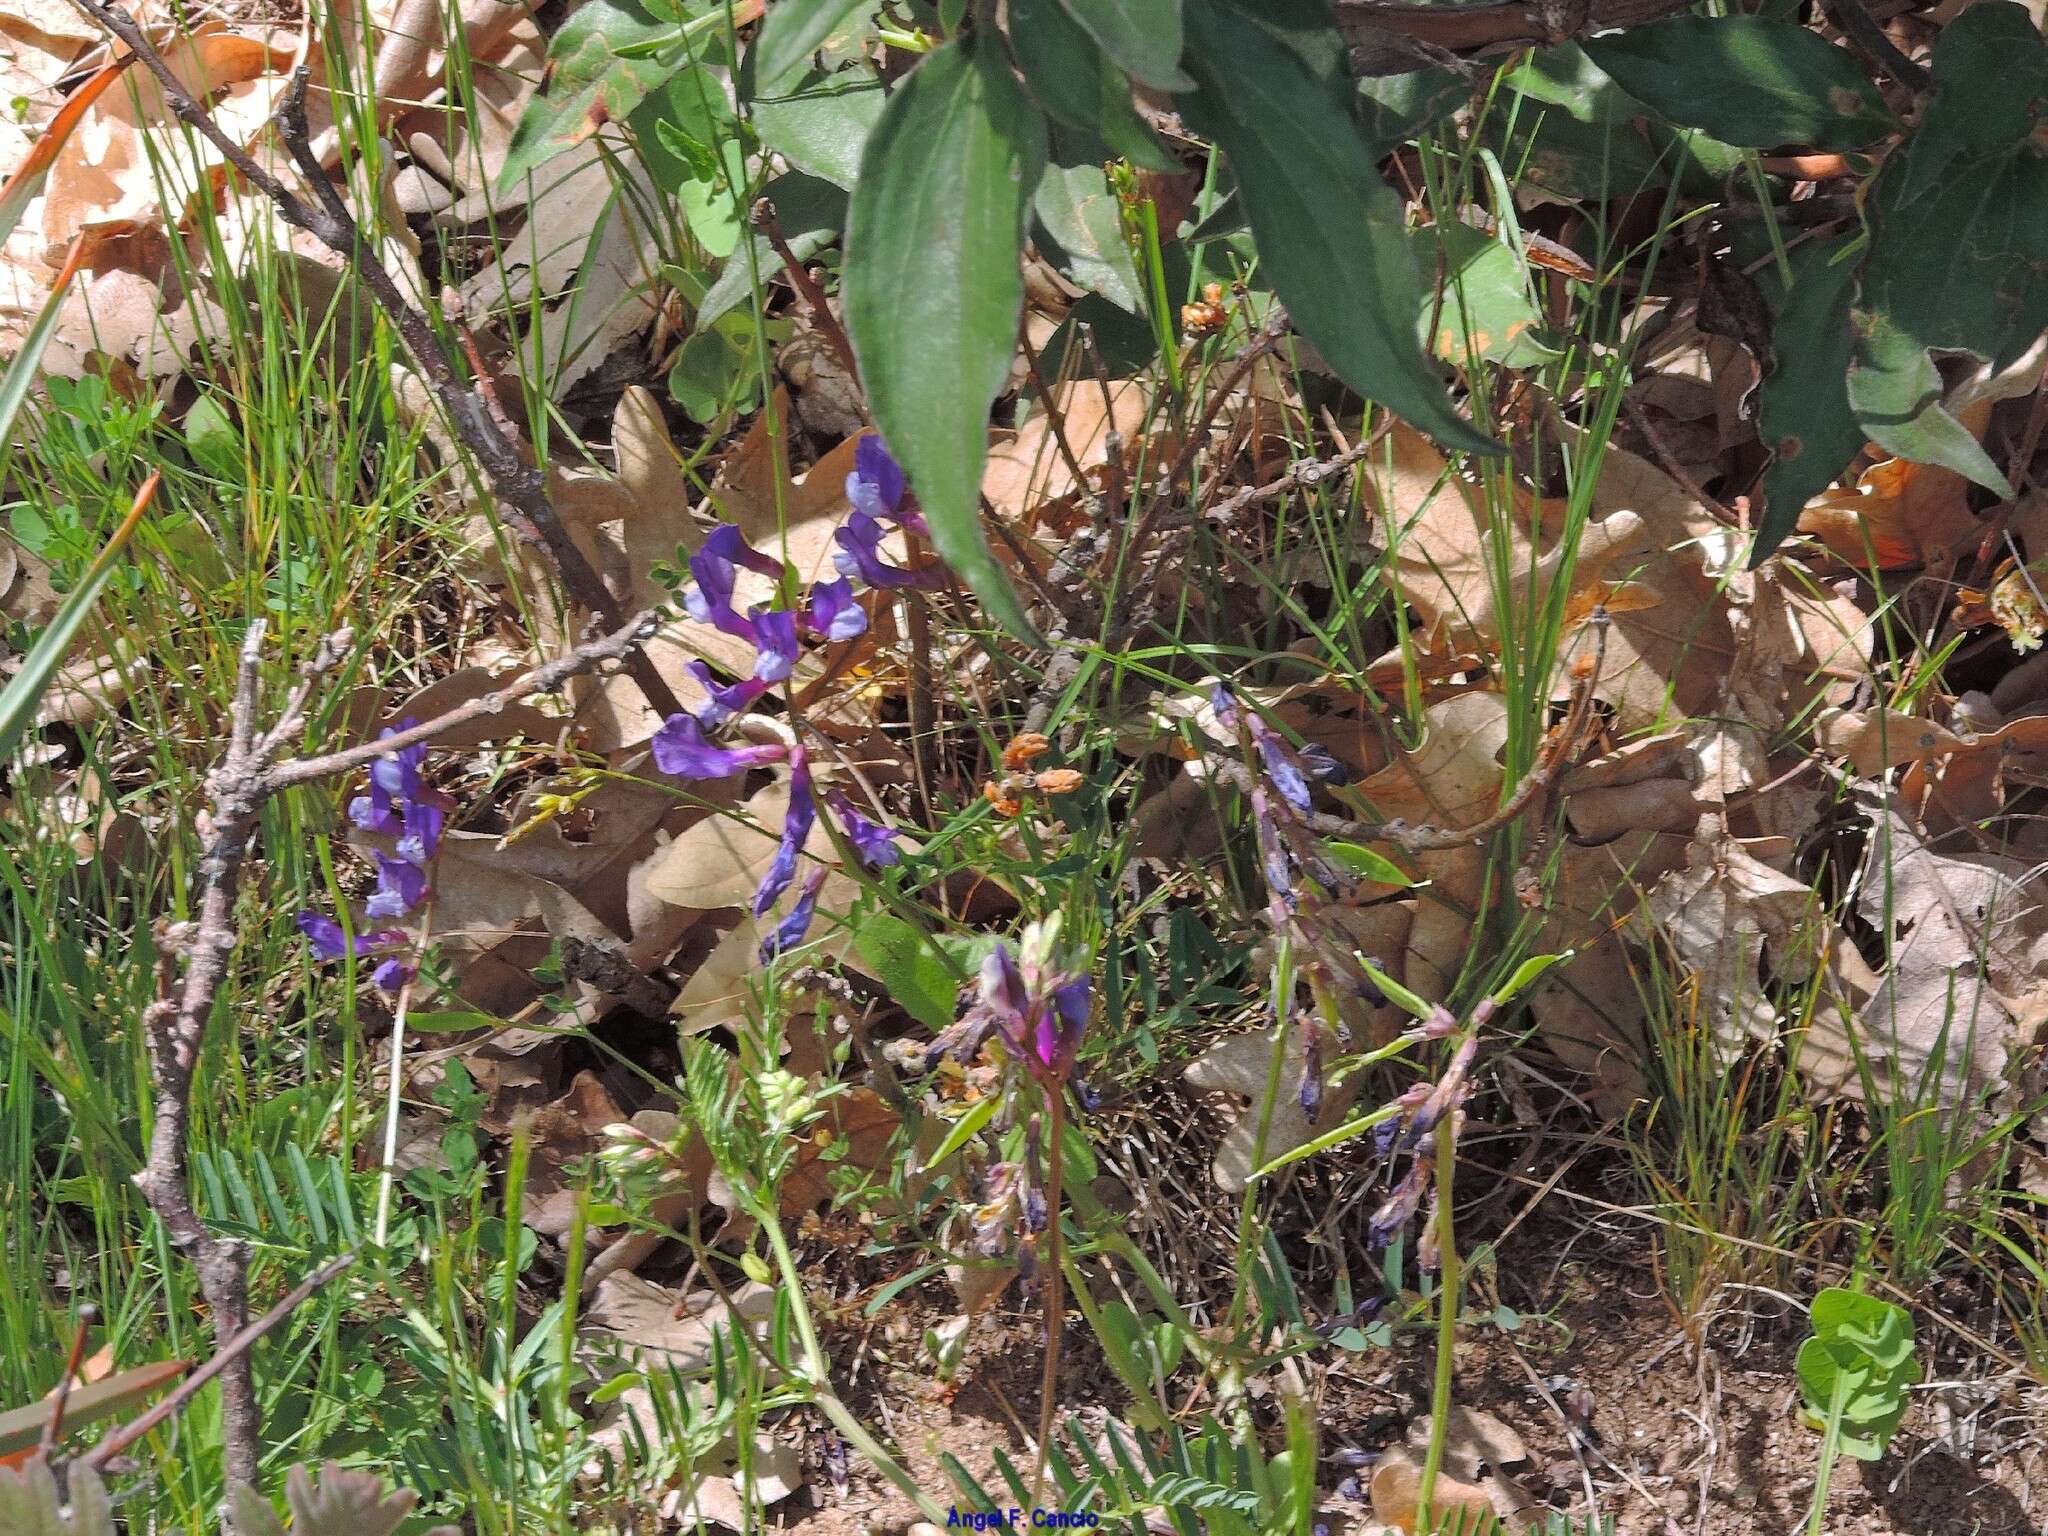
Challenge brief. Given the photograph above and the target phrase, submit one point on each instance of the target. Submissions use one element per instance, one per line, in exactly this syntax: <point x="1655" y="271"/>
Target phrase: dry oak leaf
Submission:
<point x="1875" y="741"/>
<point x="1396" y="1489"/>
<point x="1976" y="779"/>
<point x="1474" y="1442"/>
<point x="1240" y="1065"/>
<point x="1908" y="515"/>
<point x="1029" y="480"/>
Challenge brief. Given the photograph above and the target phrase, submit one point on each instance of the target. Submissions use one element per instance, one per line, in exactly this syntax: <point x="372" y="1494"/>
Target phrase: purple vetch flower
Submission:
<point x="860" y="554"/>
<point x="796" y="922"/>
<point x="420" y="831"/>
<point x="728" y="544"/>
<point x="401" y="886"/>
<point x="375" y="811"/>
<point x="876" y="485"/>
<point x="775" y="643"/>
<point x="391" y="974"/>
<point x="716" y="568"/>
<point x="397" y="773"/>
<point x="796" y="830"/>
<point x="875" y="843"/>
<point x="727" y="700"/>
<point x="682" y="750"/>
<point x="1037" y="1003"/>
<point x="832" y="613"/>
<point x="325" y="938"/>
<point x="1281" y="768"/>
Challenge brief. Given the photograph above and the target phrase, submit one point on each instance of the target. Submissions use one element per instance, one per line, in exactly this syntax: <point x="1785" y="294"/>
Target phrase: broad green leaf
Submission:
<point x="694" y="149"/>
<point x="811" y="212"/>
<point x="1076" y="207"/>
<point x="910" y="968"/>
<point x="601" y="66"/>
<point x="1077" y="84"/>
<point x="1959" y="215"/>
<point x="1397" y="107"/>
<point x="932" y="285"/>
<point x="1577" y="132"/>
<point x="794" y="30"/>
<point x="1332" y="235"/>
<point x="1746" y="80"/>
<point x="820" y="121"/>
<point x="1144" y="36"/>
<point x="1367" y="864"/>
<point x="1895" y="390"/>
<point x="1397" y="994"/>
<point x="1804" y="413"/>
<point x="1487" y="310"/>
<point x="213" y="441"/>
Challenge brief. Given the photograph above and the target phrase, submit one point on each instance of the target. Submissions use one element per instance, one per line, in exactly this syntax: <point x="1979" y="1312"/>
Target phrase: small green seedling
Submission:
<point x="1853" y="1374"/>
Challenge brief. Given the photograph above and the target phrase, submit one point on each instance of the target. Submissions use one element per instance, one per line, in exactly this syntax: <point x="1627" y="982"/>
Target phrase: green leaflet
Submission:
<point x="1895" y="390"/>
<point x="1332" y="235"/>
<point x="1144" y="36"/>
<point x="1077" y="84"/>
<point x="1077" y="209"/>
<point x="932" y="286"/>
<point x="819" y="121"/>
<point x="1804" y="413"/>
<point x="1746" y="80"/>
<point x="912" y="970"/>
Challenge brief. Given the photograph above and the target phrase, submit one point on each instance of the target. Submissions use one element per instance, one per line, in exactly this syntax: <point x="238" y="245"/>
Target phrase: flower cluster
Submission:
<point x="1423" y="1107"/>
<point x="1036" y="1003"/>
<point x="398" y="805"/>
<point x="685" y="747"/>
<point x="1007" y="794"/>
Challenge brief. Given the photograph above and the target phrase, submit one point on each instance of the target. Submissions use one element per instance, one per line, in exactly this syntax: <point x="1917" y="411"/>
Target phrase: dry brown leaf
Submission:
<point x="1912" y="515"/>
<point x="1397" y="1486"/>
<point x="1876" y="740"/>
<point x="720" y="860"/>
<point x="1474" y="1441"/>
<point x="1029" y="480"/>
<point x="1240" y="1065"/>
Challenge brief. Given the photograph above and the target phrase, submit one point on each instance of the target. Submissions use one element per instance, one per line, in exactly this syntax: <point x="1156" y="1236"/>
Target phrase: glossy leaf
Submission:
<point x="794" y="30"/>
<point x="1332" y="235"/>
<point x="1746" y="80"/>
<point x="819" y="121"/>
<point x="932" y="285"/>
<point x="1077" y="83"/>
<point x="1144" y="36"/>
<point x="1076" y="208"/>
<point x="601" y="66"/>
<point x="1804" y="413"/>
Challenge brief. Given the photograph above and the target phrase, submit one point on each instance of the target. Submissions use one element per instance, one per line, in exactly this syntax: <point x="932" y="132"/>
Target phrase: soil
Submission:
<point x="1703" y="1442"/>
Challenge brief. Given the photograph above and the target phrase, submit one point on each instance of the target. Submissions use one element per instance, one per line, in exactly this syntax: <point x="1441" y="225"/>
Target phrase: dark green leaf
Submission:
<point x="794" y="30"/>
<point x="811" y="211"/>
<point x="1895" y="390"/>
<point x="1398" y="107"/>
<point x="1959" y="216"/>
<point x="819" y="121"/>
<point x="601" y="66"/>
<point x="1084" y="236"/>
<point x="1144" y="36"/>
<point x="932" y="285"/>
<point x="1746" y="81"/>
<point x="1077" y="84"/>
<point x="1803" y="407"/>
<point x="1332" y="235"/>
<point x="910" y="967"/>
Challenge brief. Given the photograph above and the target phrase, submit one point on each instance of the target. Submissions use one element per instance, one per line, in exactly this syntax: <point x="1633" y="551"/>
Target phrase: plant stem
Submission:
<point x="1049" y="1381"/>
<point x="1449" y="1279"/>
<point x="1830" y="1448"/>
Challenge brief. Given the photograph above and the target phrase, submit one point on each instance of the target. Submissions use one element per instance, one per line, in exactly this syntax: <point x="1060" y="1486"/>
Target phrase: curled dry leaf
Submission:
<point x="1907" y="515"/>
<point x="1029" y="479"/>
<point x="1474" y="1442"/>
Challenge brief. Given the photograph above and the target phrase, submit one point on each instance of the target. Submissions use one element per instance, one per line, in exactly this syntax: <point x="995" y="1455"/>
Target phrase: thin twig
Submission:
<point x="763" y="218"/>
<point x="60" y="1399"/>
<point x="229" y="1353"/>
<point x="515" y="480"/>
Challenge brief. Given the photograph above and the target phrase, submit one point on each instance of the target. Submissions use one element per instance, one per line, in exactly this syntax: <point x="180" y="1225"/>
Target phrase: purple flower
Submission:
<point x="400" y="887"/>
<point x="796" y="829"/>
<point x="391" y="974"/>
<point x="325" y="938"/>
<point x="791" y="930"/>
<point x="420" y="834"/>
<point x="375" y="812"/>
<point x="1281" y="768"/>
<point x="875" y="843"/>
<point x="775" y="642"/>
<point x="860" y="554"/>
<point x="876" y="484"/>
<point x="682" y="750"/>
<point x="727" y="700"/>
<point x="398" y="773"/>
<point x="716" y="569"/>
<point x="1037" y="1002"/>
<point x="832" y="613"/>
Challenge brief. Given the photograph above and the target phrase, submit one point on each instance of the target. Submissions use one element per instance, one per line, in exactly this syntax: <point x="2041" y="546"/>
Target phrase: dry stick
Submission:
<point x="762" y="216"/>
<point x="235" y="1349"/>
<point x="1518" y="21"/>
<point x="248" y="775"/>
<point x="515" y="481"/>
<point x="53" y="1427"/>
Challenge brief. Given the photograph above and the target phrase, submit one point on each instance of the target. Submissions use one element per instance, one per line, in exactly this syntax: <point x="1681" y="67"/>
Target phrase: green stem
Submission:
<point x="1830" y="1448"/>
<point x="1056" y="1120"/>
<point x="1449" y="1280"/>
<point x="818" y="1378"/>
